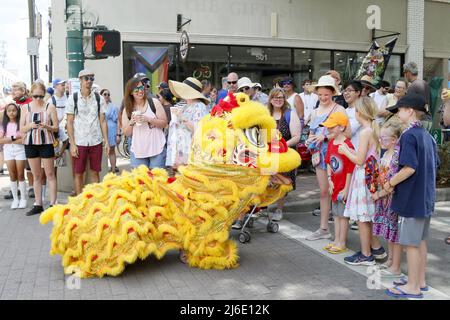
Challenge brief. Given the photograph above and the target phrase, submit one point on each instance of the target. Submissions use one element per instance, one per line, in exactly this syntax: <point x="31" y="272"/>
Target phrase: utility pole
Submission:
<point x="31" y="23"/>
<point x="75" y="52"/>
<point x="50" y="47"/>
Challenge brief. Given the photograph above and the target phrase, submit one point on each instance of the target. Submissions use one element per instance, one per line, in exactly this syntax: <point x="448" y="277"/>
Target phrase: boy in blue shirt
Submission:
<point x="415" y="193"/>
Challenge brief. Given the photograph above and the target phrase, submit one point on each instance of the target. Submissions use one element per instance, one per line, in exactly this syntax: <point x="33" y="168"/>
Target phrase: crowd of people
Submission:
<point x="365" y="141"/>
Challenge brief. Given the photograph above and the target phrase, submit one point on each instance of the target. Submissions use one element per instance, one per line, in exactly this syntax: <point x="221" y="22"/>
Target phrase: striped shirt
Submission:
<point x="39" y="136"/>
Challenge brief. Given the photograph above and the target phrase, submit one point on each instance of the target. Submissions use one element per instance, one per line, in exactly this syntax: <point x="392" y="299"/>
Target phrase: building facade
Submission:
<point x="261" y="39"/>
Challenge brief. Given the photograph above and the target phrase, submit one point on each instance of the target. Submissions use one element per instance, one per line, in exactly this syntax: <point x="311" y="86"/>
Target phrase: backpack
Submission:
<point x="287" y="116"/>
<point x="152" y="105"/>
<point x="75" y="102"/>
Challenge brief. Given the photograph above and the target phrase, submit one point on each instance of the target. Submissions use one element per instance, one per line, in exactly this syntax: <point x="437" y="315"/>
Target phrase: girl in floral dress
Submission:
<point x="386" y="221"/>
<point x="360" y="206"/>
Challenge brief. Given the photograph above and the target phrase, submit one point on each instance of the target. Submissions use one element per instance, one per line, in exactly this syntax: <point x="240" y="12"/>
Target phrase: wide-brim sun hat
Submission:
<point x="367" y="81"/>
<point x="326" y="81"/>
<point x="245" y="82"/>
<point x="189" y="89"/>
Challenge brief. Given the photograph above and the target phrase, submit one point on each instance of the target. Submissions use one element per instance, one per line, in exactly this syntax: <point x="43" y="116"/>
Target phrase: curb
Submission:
<point x="442" y="195"/>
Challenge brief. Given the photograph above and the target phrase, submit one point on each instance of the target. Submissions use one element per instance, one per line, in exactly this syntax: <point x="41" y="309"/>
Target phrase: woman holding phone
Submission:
<point x="38" y="122"/>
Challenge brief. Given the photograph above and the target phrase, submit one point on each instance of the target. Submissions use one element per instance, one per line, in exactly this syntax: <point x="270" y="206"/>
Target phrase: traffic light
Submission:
<point x="106" y="43"/>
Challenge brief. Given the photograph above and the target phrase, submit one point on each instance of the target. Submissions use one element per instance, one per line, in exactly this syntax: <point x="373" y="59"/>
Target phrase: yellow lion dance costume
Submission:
<point x="236" y="157"/>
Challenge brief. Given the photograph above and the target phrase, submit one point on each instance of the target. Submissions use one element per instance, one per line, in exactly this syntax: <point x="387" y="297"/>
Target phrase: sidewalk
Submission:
<point x="272" y="266"/>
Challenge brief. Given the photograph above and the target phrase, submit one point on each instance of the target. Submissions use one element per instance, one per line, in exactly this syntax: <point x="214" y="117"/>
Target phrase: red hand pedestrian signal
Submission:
<point x="99" y="43"/>
<point x="106" y="43"/>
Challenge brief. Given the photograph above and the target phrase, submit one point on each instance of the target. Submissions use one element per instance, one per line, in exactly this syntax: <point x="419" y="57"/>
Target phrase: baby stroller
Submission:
<point x="255" y="213"/>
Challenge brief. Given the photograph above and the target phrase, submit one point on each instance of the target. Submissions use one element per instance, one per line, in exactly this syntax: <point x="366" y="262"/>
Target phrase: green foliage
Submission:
<point x="443" y="174"/>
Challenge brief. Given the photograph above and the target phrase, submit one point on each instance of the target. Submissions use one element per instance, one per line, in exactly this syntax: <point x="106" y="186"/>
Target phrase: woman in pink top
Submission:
<point x="14" y="151"/>
<point x="145" y="121"/>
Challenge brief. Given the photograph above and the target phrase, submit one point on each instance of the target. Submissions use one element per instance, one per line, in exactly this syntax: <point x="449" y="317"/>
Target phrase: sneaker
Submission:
<point x="31" y="193"/>
<point x="36" y="210"/>
<point x="15" y="204"/>
<point x="237" y="224"/>
<point x="358" y="259"/>
<point x="379" y="254"/>
<point x="116" y="170"/>
<point x="22" y="204"/>
<point x="8" y="196"/>
<point x="319" y="234"/>
<point x="316" y="212"/>
<point x="277" y="215"/>
<point x="331" y="219"/>
<point x="354" y="225"/>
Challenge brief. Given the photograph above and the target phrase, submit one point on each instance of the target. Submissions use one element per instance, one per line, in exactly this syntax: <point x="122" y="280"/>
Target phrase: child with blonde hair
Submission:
<point x="386" y="220"/>
<point x="360" y="206"/>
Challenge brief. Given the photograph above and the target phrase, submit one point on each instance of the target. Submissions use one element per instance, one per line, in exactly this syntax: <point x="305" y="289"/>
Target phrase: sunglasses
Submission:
<point x="38" y="97"/>
<point x="137" y="89"/>
<point x="106" y="94"/>
<point x="231" y="82"/>
<point x="87" y="78"/>
<point x="244" y="89"/>
<point x="283" y="83"/>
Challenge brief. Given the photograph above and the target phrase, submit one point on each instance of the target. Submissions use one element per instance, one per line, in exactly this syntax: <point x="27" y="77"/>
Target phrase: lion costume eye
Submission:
<point x="253" y="135"/>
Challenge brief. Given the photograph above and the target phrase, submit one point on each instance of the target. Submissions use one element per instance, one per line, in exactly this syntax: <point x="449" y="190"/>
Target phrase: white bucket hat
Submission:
<point x="245" y="82"/>
<point x="189" y="89"/>
<point x="327" y="81"/>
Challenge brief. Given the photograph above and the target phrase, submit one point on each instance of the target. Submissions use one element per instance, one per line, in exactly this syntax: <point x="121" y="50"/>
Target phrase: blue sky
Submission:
<point x="15" y="31"/>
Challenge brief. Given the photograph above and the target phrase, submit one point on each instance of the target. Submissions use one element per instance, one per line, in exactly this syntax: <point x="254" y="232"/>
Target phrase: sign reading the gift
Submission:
<point x="184" y="46"/>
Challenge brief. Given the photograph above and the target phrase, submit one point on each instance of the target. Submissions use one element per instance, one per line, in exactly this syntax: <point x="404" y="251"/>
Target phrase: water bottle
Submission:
<point x="340" y="198"/>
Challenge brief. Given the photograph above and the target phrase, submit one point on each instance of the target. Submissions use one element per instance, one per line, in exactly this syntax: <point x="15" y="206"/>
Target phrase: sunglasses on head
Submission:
<point x="87" y="78"/>
<point x="231" y="82"/>
<point x="38" y="96"/>
<point x="137" y="89"/>
<point x="244" y="89"/>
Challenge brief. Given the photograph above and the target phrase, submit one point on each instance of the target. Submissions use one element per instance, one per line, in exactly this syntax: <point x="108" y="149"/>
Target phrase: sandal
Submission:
<point x="404" y="281"/>
<point x="328" y="246"/>
<point x="337" y="250"/>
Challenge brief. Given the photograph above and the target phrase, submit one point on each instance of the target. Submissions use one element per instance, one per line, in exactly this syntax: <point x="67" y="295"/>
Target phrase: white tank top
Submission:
<point x="291" y="99"/>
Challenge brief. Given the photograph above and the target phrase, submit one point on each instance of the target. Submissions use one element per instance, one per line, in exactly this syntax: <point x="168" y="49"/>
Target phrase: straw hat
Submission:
<point x="368" y="81"/>
<point x="189" y="89"/>
<point x="327" y="81"/>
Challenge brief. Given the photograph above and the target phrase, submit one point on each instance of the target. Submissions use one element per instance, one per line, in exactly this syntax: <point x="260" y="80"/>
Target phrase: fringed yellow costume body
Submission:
<point x="234" y="163"/>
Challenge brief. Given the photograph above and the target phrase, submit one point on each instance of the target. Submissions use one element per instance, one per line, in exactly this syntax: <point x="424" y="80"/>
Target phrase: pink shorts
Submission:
<point x="94" y="153"/>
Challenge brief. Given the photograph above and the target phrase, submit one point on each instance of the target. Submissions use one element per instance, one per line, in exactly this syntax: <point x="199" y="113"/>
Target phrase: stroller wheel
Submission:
<point x="273" y="227"/>
<point x="247" y="236"/>
<point x="242" y="237"/>
<point x="183" y="257"/>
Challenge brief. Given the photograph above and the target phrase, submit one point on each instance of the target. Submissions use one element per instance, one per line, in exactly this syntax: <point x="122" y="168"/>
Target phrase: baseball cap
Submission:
<point x="336" y="119"/>
<point x="85" y="72"/>
<point x="141" y="76"/>
<point x="411" y="100"/>
<point x="57" y="81"/>
<point x="163" y="85"/>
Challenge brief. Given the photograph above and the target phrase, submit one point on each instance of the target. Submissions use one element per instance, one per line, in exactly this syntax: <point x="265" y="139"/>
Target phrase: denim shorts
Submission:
<point x="158" y="161"/>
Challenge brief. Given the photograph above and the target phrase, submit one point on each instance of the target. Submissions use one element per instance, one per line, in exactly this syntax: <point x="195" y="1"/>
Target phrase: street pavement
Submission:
<point x="273" y="266"/>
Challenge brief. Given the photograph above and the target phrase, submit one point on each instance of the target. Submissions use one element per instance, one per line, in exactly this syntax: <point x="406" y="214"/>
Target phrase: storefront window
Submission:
<point x="262" y="65"/>
<point x="393" y="70"/>
<point x="347" y="64"/>
<point x="157" y="61"/>
<point x="310" y="65"/>
<point x="206" y="62"/>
